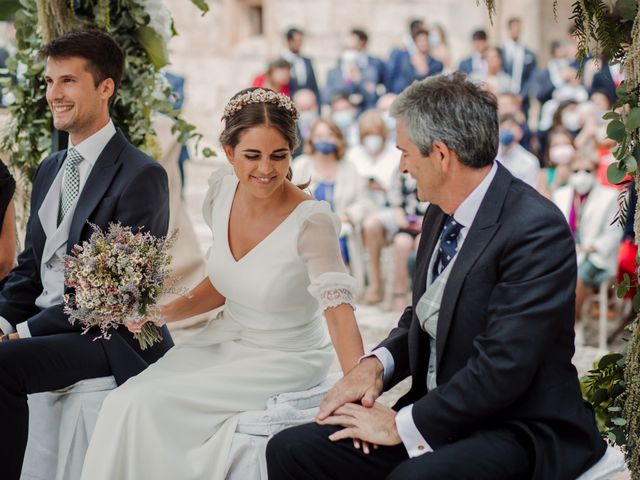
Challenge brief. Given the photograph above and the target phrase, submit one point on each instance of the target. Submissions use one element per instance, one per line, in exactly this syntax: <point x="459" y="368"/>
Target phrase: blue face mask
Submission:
<point x="506" y="138"/>
<point x="326" y="148"/>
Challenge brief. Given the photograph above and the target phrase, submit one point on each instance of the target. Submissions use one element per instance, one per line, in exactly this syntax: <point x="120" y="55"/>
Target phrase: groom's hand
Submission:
<point x="376" y="425"/>
<point x="363" y="384"/>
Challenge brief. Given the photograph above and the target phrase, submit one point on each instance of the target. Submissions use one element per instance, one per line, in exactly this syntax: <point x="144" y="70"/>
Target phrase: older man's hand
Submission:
<point x="363" y="384"/>
<point x="375" y="425"/>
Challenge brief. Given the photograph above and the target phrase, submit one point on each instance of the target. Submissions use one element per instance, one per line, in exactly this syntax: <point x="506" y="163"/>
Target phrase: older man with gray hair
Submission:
<point x="488" y="339"/>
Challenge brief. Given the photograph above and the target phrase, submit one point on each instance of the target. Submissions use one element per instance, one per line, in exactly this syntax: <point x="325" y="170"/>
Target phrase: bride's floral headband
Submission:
<point x="259" y="95"/>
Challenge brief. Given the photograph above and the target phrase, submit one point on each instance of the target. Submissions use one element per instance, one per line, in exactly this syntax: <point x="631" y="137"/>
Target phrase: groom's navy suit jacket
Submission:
<point x="124" y="186"/>
<point x="505" y="334"/>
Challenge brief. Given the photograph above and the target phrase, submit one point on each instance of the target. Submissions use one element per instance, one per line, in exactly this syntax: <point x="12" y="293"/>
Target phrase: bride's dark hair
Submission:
<point x="250" y="113"/>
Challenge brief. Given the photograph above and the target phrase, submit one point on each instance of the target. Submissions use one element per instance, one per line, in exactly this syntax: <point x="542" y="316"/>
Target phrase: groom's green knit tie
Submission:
<point x="71" y="184"/>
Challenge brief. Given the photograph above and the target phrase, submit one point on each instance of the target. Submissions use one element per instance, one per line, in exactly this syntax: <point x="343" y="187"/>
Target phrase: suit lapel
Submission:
<point x="480" y="234"/>
<point x="40" y="232"/>
<point x="99" y="180"/>
<point x="419" y="339"/>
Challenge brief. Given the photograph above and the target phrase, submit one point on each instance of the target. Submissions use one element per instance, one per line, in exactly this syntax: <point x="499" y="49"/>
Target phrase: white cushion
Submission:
<point x="611" y="462"/>
<point x="306" y="399"/>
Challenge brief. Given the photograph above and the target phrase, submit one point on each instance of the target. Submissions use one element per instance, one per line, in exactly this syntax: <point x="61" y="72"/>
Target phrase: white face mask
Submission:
<point x="343" y="119"/>
<point x="389" y="121"/>
<point x="373" y="143"/>
<point x="571" y="121"/>
<point x="582" y="182"/>
<point x="434" y="39"/>
<point x="307" y="119"/>
<point x="561" y="154"/>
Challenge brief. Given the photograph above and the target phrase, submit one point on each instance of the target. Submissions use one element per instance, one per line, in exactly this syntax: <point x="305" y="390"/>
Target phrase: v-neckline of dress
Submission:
<point x="266" y="237"/>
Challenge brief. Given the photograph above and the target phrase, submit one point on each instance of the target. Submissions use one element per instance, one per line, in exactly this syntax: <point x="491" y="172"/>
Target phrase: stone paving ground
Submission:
<point x="374" y="321"/>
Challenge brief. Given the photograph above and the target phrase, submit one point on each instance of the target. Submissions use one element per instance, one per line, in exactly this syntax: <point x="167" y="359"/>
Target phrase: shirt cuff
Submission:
<point x="385" y="357"/>
<point x="5" y="326"/>
<point x="23" y="330"/>
<point x="411" y="437"/>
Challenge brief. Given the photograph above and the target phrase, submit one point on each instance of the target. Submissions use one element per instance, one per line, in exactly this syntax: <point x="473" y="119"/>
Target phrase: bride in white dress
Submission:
<point x="275" y="265"/>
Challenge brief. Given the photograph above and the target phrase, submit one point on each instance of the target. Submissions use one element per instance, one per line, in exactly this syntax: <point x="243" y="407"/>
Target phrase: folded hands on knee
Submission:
<point x="351" y="403"/>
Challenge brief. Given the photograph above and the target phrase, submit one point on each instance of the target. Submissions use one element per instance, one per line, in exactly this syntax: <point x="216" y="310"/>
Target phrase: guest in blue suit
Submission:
<point x="359" y="40"/>
<point x="519" y="62"/>
<point x="356" y="81"/>
<point x="476" y="63"/>
<point x="408" y="68"/>
<point x="101" y="178"/>
<point x="302" y="73"/>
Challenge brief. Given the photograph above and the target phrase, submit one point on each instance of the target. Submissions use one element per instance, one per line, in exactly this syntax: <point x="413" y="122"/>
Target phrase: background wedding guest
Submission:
<point x="344" y="114"/>
<point x="7" y="223"/>
<point x="302" y="72"/>
<point x="557" y="162"/>
<point x="409" y="67"/>
<point x="377" y="161"/>
<point x="359" y="41"/>
<point x="496" y="79"/>
<point x="439" y="46"/>
<point x="519" y="62"/>
<point x="277" y="77"/>
<point x="334" y="179"/>
<point x="476" y="63"/>
<point x="590" y="209"/>
<point x="521" y="163"/>
<point x="353" y="79"/>
<point x="308" y="110"/>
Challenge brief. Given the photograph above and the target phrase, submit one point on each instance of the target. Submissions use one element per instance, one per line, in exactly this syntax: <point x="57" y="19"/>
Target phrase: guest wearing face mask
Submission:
<point x="557" y="161"/>
<point x="590" y="209"/>
<point x="355" y="80"/>
<point x="374" y="158"/>
<point x="334" y="179"/>
<point x="377" y="161"/>
<point x="344" y="114"/>
<point x="307" y="105"/>
<point x="521" y="163"/>
<point x="440" y="47"/>
<point x="383" y="106"/>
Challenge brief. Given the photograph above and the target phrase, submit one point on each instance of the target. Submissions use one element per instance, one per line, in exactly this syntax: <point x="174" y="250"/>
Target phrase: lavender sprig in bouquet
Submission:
<point x="117" y="278"/>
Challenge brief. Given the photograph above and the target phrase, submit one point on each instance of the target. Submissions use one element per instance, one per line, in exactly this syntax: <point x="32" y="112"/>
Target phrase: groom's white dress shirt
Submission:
<point x="51" y="266"/>
<point x="411" y="437"/>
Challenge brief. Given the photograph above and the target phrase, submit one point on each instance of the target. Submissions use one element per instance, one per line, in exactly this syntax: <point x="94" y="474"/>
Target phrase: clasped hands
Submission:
<point x="351" y="403"/>
<point x="158" y="318"/>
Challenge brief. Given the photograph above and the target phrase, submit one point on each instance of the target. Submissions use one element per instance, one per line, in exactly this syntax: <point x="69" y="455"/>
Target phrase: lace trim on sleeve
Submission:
<point x="336" y="296"/>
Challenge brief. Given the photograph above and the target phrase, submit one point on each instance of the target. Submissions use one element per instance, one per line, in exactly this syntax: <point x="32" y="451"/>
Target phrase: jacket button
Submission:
<point x="421" y="447"/>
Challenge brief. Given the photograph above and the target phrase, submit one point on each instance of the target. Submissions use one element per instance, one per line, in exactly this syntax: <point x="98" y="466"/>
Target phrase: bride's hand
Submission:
<point x="136" y="327"/>
<point x="157" y="317"/>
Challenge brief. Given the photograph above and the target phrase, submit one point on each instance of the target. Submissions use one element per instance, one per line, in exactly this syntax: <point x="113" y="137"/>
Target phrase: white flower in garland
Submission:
<point x="159" y="18"/>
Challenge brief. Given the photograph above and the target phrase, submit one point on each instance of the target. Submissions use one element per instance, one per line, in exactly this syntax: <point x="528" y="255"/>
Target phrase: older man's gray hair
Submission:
<point x="455" y="111"/>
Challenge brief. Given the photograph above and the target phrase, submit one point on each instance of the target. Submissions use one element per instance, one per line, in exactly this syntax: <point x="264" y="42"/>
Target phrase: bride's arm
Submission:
<point x="345" y="335"/>
<point x="201" y="299"/>
<point x="331" y="285"/>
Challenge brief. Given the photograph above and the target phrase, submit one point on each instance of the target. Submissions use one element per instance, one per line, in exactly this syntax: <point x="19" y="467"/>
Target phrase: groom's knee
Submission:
<point x="296" y="447"/>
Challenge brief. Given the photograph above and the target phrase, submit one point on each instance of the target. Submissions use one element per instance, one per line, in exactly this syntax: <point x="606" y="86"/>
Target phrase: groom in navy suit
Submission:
<point x="101" y="178"/>
<point x="488" y="339"/>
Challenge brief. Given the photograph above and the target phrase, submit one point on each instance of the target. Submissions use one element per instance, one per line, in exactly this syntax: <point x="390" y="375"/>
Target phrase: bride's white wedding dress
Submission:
<point x="175" y="420"/>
